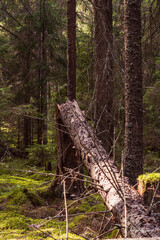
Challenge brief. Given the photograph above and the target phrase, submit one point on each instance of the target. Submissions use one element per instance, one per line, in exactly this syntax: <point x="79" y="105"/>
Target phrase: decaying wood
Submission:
<point x="104" y="172"/>
<point x="66" y="154"/>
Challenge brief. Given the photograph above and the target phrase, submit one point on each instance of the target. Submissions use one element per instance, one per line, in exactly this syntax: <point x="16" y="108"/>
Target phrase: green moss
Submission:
<point x="25" y="193"/>
<point x="149" y="177"/>
<point x="18" y="223"/>
<point x="91" y="204"/>
<point x="17" y="198"/>
<point x="41" y="177"/>
<point x="33" y="197"/>
<point x="15" y="234"/>
<point x="13" y="181"/>
<point x="112" y="234"/>
<point x="76" y="221"/>
<point x="57" y="224"/>
<point x="14" y="220"/>
<point x="45" y="193"/>
<point x="56" y="233"/>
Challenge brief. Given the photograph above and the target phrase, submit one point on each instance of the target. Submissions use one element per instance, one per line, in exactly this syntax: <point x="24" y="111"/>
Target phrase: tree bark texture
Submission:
<point x="27" y="91"/>
<point x="133" y="154"/>
<point x="106" y="175"/>
<point x="71" y="49"/>
<point x="42" y="76"/>
<point x="68" y="158"/>
<point x="103" y="111"/>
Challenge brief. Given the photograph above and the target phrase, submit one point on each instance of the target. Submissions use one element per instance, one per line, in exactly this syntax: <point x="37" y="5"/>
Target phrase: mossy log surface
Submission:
<point x="105" y="174"/>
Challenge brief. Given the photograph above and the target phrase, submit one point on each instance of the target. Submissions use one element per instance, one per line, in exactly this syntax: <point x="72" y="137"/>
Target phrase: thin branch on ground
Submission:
<point x="111" y="230"/>
<point x="66" y="209"/>
<point x="37" y="228"/>
<point x="152" y="202"/>
<point x="109" y="220"/>
<point x="77" y="214"/>
<point x="124" y="195"/>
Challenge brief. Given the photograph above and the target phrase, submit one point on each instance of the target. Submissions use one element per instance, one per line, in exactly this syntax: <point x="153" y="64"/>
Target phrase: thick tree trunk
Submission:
<point x="103" y="107"/>
<point x="68" y="158"/>
<point x="71" y="49"/>
<point x="133" y="154"/>
<point x="42" y="76"/>
<point x="27" y="89"/>
<point x="135" y="222"/>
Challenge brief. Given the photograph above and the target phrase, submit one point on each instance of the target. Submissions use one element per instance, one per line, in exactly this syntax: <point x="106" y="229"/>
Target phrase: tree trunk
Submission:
<point x="133" y="154"/>
<point x="106" y="175"/>
<point x="71" y="49"/>
<point x="103" y="111"/>
<point x="68" y="158"/>
<point x="27" y="90"/>
<point x="42" y="77"/>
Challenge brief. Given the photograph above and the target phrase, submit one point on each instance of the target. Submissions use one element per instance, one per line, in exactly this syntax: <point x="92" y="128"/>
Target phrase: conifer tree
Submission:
<point x="71" y="49"/>
<point x="133" y="153"/>
<point x="103" y="111"/>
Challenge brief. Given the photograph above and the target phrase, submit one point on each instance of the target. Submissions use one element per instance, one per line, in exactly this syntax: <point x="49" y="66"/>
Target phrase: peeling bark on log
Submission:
<point x="104" y="172"/>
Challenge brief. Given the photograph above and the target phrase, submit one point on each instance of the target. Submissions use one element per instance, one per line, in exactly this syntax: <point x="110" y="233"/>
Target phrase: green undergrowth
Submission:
<point x="151" y="161"/>
<point x="27" y="209"/>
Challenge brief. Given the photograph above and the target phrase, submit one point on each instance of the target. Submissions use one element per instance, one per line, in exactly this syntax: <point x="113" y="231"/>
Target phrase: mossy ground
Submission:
<point x="27" y="208"/>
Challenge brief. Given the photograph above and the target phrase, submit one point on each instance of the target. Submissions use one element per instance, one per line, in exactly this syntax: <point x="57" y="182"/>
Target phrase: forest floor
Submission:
<point x="29" y="211"/>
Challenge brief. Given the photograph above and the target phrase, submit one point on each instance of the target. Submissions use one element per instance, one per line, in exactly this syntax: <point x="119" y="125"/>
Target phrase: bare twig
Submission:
<point x="46" y="234"/>
<point x="77" y="214"/>
<point x="124" y="195"/>
<point x="111" y="230"/>
<point x="66" y="209"/>
<point x="109" y="220"/>
<point x="151" y="205"/>
<point x="13" y="34"/>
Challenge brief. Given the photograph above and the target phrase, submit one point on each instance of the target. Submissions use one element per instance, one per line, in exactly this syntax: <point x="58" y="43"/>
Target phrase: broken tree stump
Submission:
<point x="123" y="201"/>
<point x="68" y="159"/>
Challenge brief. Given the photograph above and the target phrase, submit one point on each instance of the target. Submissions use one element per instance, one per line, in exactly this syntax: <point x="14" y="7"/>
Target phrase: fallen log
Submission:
<point x="123" y="201"/>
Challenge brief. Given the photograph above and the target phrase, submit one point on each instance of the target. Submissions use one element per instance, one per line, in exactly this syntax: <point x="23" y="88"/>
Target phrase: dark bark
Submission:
<point x="133" y="154"/>
<point x="103" y="113"/>
<point x="68" y="158"/>
<point x="71" y="49"/>
<point x="42" y="77"/>
<point x="106" y="175"/>
<point x="27" y="90"/>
